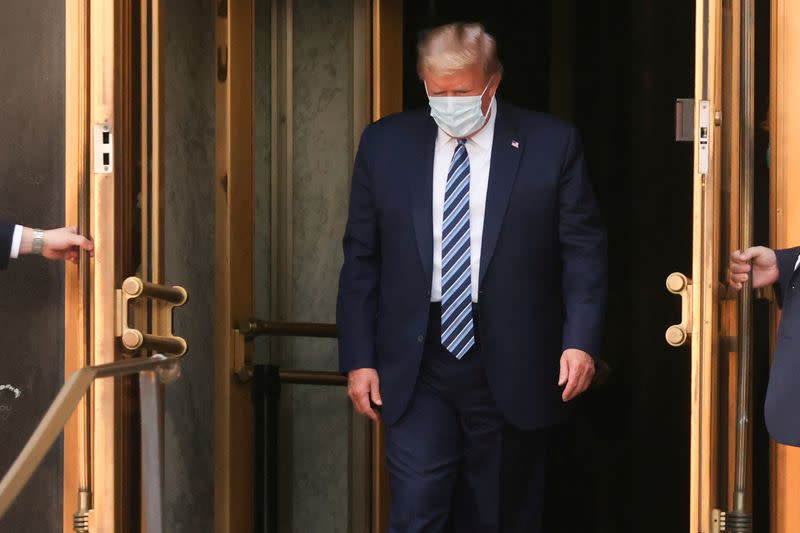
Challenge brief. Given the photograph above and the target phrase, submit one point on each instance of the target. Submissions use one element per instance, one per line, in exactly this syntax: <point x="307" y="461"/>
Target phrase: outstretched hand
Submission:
<point x="62" y="244"/>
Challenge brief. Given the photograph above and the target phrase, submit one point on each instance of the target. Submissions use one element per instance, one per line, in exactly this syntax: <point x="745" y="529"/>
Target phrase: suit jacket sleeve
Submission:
<point x="357" y="303"/>
<point x="583" y="255"/>
<point x="6" y="236"/>
<point x="787" y="259"/>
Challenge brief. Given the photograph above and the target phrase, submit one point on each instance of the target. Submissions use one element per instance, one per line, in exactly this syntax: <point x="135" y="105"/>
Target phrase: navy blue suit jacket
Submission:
<point x="6" y="236"/>
<point x="782" y="406"/>
<point x="543" y="262"/>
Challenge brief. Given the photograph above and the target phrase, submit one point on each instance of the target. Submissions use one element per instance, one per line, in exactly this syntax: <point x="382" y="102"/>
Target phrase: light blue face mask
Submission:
<point x="458" y="116"/>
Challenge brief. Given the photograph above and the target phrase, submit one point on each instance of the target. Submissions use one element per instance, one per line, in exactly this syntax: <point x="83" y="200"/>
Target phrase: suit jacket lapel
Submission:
<point x="421" y="182"/>
<point x="507" y="147"/>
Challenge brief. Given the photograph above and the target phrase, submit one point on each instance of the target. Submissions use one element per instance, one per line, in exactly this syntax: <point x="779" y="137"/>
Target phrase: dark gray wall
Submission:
<point x="32" y="290"/>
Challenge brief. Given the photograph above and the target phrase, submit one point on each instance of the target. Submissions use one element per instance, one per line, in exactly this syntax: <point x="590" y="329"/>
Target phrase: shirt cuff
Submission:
<point x="16" y="241"/>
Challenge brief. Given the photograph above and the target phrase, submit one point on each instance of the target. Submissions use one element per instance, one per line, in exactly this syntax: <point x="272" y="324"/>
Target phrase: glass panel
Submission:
<point x="189" y="66"/>
<point x="304" y="131"/>
<point x="262" y="155"/>
<point x="322" y="159"/>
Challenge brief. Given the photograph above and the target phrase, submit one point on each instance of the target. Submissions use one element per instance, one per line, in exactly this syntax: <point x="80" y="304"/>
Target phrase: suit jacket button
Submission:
<point x="421" y="338"/>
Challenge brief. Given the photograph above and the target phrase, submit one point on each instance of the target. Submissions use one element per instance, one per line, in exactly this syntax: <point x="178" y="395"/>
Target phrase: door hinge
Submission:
<point x="735" y="522"/>
<point x="82" y="519"/>
<point x="717" y="521"/>
<point x="222" y="63"/>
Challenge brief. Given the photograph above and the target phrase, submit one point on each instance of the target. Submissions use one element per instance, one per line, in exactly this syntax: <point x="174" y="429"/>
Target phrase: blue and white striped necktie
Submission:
<point x="458" y="329"/>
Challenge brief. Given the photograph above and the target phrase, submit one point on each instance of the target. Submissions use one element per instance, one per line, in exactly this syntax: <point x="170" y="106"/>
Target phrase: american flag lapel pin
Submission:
<point x="515" y="144"/>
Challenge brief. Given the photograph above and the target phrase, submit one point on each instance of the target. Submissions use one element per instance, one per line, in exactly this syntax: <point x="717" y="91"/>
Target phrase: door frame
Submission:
<point x="76" y="298"/>
<point x="784" y="132"/>
<point x="91" y="443"/>
<point x="234" y="300"/>
<point x="101" y="443"/>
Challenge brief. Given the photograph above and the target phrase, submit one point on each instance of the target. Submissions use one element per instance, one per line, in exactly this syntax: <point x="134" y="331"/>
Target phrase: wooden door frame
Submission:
<point x="75" y="301"/>
<point x="784" y="126"/>
<point x="234" y="300"/>
<point x="784" y="122"/>
<point x="704" y="454"/>
<point x="234" y="454"/>
<point x="91" y="90"/>
<point x="104" y="476"/>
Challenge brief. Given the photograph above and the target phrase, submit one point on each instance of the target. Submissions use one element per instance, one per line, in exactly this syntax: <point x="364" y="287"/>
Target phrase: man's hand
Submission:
<point x="764" y="267"/>
<point x="362" y="386"/>
<point x="65" y="244"/>
<point x="577" y="372"/>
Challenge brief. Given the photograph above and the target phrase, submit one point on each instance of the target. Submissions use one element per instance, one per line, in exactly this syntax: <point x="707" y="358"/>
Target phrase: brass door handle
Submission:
<point x="170" y="297"/>
<point x="679" y="334"/>
<point x="253" y="327"/>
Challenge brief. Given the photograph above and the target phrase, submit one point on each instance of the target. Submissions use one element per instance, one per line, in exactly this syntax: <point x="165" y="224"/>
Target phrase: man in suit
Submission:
<point x="472" y="294"/>
<point x="60" y="244"/>
<point x="778" y="268"/>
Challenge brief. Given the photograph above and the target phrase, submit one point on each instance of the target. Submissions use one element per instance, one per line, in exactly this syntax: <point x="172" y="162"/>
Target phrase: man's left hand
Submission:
<point x="577" y="372"/>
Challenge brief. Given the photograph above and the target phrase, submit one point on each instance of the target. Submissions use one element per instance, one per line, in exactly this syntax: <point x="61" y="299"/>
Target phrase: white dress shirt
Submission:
<point x="16" y="241"/>
<point x="479" y="150"/>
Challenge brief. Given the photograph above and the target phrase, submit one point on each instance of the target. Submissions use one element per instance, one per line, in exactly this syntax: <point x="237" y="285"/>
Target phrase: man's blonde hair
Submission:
<point x="457" y="46"/>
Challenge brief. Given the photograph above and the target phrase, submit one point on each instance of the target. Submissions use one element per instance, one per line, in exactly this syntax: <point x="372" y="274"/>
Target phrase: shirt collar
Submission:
<point x="482" y="139"/>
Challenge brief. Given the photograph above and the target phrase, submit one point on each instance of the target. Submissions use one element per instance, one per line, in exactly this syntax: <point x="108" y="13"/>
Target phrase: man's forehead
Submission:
<point x="459" y="78"/>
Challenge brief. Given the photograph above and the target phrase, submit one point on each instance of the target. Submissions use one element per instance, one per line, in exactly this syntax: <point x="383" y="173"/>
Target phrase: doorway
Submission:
<point x="616" y="73"/>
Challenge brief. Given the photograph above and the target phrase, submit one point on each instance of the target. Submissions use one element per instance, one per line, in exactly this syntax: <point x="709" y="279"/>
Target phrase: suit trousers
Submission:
<point x="455" y="465"/>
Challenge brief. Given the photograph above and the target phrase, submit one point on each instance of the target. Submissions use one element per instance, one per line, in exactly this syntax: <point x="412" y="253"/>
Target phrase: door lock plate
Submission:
<point x="103" y="149"/>
<point x="704" y="134"/>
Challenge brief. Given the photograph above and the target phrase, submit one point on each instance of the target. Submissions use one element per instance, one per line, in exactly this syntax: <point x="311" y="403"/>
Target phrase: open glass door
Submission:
<point x="717" y="321"/>
<point x="90" y="446"/>
<point x="113" y="450"/>
<point x="294" y="90"/>
<point x="701" y="294"/>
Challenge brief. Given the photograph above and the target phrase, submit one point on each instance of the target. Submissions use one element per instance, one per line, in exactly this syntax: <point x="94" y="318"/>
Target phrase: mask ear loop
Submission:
<point x="484" y="89"/>
<point x="486" y="116"/>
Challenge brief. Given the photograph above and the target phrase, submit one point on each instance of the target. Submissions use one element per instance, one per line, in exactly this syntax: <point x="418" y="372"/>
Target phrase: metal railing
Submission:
<point x="164" y="368"/>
